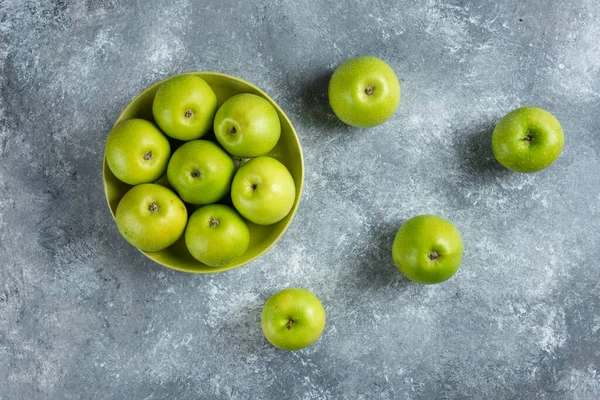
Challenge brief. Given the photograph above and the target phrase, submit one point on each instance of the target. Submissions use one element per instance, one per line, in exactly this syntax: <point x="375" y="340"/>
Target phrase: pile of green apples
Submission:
<point x="363" y="92"/>
<point x="153" y="214"/>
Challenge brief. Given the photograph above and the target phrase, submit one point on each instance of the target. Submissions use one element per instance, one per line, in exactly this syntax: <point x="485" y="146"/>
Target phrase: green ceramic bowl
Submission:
<point x="288" y="151"/>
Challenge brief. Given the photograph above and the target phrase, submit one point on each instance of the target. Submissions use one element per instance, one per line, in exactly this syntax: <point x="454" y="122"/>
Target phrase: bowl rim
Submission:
<point x="294" y="209"/>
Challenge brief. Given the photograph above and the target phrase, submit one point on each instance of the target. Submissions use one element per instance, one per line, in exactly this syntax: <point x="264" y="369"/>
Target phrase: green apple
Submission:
<point x="292" y="319"/>
<point x="247" y="125"/>
<point x="137" y="152"/>
<point x="364" y="92"/>
<point x="216" y="235"/>
<point x="151" y="217"/>
<point x="200" y="172"/>
<point x="427" y="249"/>
<point x="263" y="191"/>
<point x="184" y="107"/>
<point x="527" y="139"/>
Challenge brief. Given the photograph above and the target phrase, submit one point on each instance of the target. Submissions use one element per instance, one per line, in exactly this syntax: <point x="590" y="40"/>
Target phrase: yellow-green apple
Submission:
<point x="263" y="191"/>
<point x="247" y="125"/>
<point x="137" y="152"/>
<point x="151" y="217"/>
<point x="427" y="249"/>
<point x="184" y="107"/>
<point x="200" y="172"/>
<point x="216" y="235"/>
<point x="364" y="92"/>
<point x="527" y="139"/>
<point x="292" y="319"/>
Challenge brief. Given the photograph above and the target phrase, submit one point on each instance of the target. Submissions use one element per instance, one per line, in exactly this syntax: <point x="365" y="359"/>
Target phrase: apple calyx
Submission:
<point x="254" y="187"/>
<point x="188" y="113"/>
<point x="232" y="130"/>
<point x="289" y="324"/>
<point x="213" y="222"/>
<point x="148" y="155"/>
<point x="369" y="90"/>
<point x="195" y="173"/>
<point x="433" y="255"/>
<point x="153" y="207"/>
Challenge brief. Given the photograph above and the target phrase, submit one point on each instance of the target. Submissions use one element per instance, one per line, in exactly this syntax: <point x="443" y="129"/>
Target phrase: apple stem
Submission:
<point x="289" y="324"/>
<point x="434" y="255"/>
<point x="188" y="113"/>
<point x="213" y="222"/>
<point x="148" y="155"/>
<point x="369" y="90"/>
<point x="153" y="207"/>
<point x="527" y="138"/>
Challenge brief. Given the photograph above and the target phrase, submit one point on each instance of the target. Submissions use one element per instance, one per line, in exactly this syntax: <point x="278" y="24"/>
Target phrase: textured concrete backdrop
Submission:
<point x="84" y="315"/>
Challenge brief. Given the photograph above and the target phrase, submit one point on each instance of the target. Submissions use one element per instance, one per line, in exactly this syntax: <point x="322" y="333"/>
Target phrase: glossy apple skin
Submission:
<point x="364" y="92"/>
<point x="247" y="125"/>
<point x="151" y="217"/>
<point x="184" y="107"/>
<point x="427" y="249"/>
<point x="216" y="235"/>
<point x="527" y="139"/>
<point x="200" y="172"/>
<point x="263" y="191"/>
<point x="137" y="151"/>
<point x="292" y="319"/>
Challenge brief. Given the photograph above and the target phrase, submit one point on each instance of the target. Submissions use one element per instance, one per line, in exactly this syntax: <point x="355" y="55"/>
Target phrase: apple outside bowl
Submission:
<point x="287" y="150"/>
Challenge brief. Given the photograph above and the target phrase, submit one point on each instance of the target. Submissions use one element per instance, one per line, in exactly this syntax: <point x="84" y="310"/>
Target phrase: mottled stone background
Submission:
<point x="84" y="315"/>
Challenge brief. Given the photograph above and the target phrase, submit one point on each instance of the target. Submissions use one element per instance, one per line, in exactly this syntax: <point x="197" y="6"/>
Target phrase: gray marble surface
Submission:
<point x="84" y="315"/>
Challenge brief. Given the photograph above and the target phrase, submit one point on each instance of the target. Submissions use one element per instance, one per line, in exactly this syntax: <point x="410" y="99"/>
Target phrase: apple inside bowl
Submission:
<point x="288" y="151"/>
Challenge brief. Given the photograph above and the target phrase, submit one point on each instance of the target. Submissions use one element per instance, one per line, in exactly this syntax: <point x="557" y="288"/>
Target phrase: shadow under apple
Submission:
<point x="476" y="155"/>
<point x="240" y="328"/>
<point x="315" y="104"/>
<point x="374" y="266"/>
